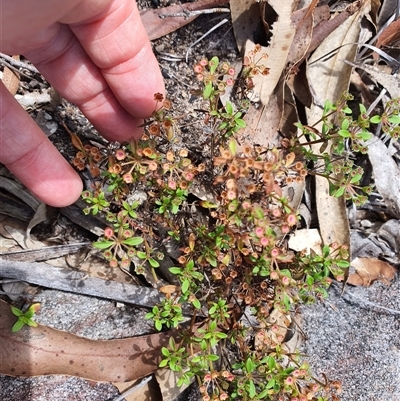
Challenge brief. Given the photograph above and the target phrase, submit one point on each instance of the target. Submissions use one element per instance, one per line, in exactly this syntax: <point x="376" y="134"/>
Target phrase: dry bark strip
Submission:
<point x="43" y="254"/>
<point x="65" y="279"/>
<point x="43" y="350"/>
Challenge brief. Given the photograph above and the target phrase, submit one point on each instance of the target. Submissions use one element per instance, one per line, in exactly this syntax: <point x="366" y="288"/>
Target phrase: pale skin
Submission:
<point x="96" y="54"/>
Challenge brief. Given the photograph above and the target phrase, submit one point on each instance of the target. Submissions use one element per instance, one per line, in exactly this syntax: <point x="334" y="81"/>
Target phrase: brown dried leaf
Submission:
<point x="42" y="351"/>
<point x="303" y="19"/>
<point x="369" y="270"/>
<point x="246" y="20"/>
<point x="328" y="80"/>
<point x="76" y="142"/>
<point x="11" y="79"/>
<point x="157" y="27"/>
<point x="390" y="35"/>
<point x="283" y="33"/>
<point x="263" y="123"/>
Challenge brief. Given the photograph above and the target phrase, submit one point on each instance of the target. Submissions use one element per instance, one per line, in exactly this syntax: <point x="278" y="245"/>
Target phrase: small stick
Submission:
<point x="18" y="63"/>
<point x="187" y="14"/>
<point x="133" y="389"/>
<point x="224" y="21"/>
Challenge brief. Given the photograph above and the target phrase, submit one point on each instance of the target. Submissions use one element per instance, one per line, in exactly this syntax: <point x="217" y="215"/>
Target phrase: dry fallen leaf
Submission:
<point x="369" y="270"/>
<point x="42" y="350"/>
<point x="283" y="32"/>
<point x="390" y="35"/>
<point x="306" y="239"/>
<point x="10" y="79"/>
<point x="329" y="79"/>
<point x="246" y="20"/>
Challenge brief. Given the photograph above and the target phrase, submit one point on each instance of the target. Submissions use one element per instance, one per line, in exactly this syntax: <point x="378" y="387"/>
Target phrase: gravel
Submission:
<point x="356" y="342"/>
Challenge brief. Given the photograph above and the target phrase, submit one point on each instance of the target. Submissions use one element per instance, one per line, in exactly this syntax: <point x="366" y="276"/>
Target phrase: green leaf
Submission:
<point x="31" y="323"/>
<point x="342" y="263"/>
<point x="344" y="133"/>
<point x="213" y="64"/>
<point x="29" y="314"/>
<point x="211" y="260"/>
<point x="394" y="119"/>
<point x="252" y="389"/>
<point x="310" y="280"/>
<point x="250" y="365"/>
<point x="213" y="357"/>
<point x="158" y="325"/>
<point x="345" y="124"/>
<point x="222" y="126"/>
<point x="208" y="205"/>
<point x="375" y="119"/>
<point x="165" y="351"/>
<point x="141" y="255"/>
<point x="16" y="311"/>
<point x="364" y="135"/>
<point x="153" y="262"/>
<point x="362" y="108"/>
<point x="207" y="90"/>
<point x="339" y="192"/>
<point x="185" y="286"/>
<point x="163" y="363"/>
<point x="263" y="394"/>
<point x="271" y="362"/>
<point x="229" y="107"/>
<point x="233" y="146"/>
<point x="103" y="244"/>
<point x="356" y="178"/>
<point x="175" y="270"/>
<point x="196" y="303"/>
<point x="133" y="241"/>
<point x="240" y="123"/>
<point x="17" y="326"/>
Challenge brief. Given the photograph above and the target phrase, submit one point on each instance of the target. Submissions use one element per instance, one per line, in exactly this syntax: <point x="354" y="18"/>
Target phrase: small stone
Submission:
<point x="366" y="223"/>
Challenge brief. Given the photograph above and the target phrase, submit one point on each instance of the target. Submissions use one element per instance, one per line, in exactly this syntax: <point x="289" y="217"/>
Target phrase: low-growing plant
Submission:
<point x="24" y="318"/>
<point x="234" y="267"/>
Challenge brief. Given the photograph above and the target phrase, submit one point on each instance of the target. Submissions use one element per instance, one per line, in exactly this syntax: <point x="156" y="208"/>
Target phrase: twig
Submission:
<point x="65" y="279"/>
<point x="224" y="21"/>
<point x="188" y="14"/>
<point x="132" y="389"/>
<point x="18" y="63"/>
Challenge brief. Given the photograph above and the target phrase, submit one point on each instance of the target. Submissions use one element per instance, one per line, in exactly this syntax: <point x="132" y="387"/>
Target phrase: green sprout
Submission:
<point x="24" y="318"/>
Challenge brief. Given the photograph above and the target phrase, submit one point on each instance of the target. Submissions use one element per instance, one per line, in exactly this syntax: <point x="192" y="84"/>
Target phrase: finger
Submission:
<point x="66" y="65"/>
<point x="117" y="42"/>
<point x="31" y="157"/>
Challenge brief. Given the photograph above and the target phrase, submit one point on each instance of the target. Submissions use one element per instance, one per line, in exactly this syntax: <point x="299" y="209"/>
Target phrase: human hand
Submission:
<point x="96" y="54"/>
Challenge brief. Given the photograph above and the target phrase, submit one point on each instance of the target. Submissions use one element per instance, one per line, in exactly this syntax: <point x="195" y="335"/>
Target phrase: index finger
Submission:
<point x="117" y="43"/>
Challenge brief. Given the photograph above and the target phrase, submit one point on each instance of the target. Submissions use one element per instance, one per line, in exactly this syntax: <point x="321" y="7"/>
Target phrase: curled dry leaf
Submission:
<point x="368" y="270"/>
<point x="42" y="350"/>
<point x="10" y="79"/>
